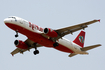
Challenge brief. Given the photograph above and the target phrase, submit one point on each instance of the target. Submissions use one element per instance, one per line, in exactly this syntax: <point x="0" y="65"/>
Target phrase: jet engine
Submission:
<point x="20" y="44"/>
<point x="50" y="32"/>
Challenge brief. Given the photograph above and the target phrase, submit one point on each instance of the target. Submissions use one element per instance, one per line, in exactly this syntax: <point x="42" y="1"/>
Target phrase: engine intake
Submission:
<point x="16" y="42"/>
<point x="46" y="30"/>
<point x="20" y="44"/>
<point x="50" y="32"/>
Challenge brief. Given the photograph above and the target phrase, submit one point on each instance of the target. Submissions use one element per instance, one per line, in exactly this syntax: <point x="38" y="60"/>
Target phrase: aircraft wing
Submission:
<point x="30" y="45"/>
<point x="69" y="30"/>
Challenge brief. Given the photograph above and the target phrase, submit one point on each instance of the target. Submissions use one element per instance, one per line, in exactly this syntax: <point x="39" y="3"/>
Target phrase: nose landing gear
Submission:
<point x="16" y="33"/>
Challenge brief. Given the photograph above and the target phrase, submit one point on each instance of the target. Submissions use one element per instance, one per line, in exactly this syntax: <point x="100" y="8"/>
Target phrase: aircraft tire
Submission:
<point x="16" y="35"/>
<point x="36" y="52"/>
<point x="55" y="44"/>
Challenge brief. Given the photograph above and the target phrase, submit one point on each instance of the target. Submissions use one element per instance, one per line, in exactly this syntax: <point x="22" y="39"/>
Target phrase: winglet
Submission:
<point x="12" y="55"/>
<point x="99" y="20"/>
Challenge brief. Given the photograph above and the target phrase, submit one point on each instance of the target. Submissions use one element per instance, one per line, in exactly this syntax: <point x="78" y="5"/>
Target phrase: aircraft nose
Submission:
<point x="6" y="20"/>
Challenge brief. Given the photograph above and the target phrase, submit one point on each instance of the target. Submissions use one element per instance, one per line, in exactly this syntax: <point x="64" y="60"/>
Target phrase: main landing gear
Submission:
<point x="36" y="51"/>
<point x="55" y="44"/>
<point x="16" y="34"/>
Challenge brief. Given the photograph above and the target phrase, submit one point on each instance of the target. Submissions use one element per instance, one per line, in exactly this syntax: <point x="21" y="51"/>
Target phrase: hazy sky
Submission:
<point x="53" y="14"/>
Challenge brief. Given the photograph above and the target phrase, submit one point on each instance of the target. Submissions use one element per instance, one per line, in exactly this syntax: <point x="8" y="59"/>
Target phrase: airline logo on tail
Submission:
<point x="81" y="39"/>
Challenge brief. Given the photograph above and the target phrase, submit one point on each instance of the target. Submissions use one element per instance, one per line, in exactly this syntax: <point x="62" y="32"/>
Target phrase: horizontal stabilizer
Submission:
<point x="90" y="47"/>
<point x="72" y="54"/>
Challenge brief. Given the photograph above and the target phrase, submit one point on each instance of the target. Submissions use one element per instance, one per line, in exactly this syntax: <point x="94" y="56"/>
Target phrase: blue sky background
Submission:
<point x="53" y="14"/>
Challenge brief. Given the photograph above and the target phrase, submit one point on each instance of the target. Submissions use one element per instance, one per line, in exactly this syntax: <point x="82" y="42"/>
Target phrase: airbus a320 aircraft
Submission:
<point x="38" y="37"/>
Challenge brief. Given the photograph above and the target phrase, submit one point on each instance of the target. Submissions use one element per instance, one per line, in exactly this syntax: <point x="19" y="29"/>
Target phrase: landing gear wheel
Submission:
<point x="16" y="35"/>
<point x="55" y="44"/>
<point x="36" y="52"/>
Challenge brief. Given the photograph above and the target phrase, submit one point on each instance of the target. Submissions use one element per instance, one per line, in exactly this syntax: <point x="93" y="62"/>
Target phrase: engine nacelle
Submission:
<point x="50" y="32"/>
<point x="20" y="44"/>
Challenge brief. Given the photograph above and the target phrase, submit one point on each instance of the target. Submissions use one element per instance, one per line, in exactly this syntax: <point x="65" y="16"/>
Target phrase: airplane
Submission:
<point x="38" y="37"/>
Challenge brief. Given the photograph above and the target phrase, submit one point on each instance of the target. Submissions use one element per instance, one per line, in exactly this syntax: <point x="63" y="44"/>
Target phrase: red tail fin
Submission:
<point x="80" y="39"/>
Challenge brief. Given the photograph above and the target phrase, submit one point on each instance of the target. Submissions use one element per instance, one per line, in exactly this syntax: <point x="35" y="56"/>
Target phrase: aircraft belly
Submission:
<point x="38" y="38"/>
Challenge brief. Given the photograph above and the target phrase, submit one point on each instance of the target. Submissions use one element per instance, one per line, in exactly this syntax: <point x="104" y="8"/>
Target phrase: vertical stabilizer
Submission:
<point x="80" y="39"/>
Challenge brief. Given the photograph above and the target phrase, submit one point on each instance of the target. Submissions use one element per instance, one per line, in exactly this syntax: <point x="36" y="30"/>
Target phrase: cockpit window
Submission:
<point x="13" y="18"/>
